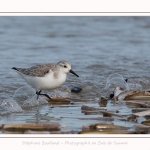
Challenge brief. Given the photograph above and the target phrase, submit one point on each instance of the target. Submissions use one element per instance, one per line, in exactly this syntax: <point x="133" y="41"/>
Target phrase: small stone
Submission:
<point x="111" y="96"/>
<point x="76" y="89"/>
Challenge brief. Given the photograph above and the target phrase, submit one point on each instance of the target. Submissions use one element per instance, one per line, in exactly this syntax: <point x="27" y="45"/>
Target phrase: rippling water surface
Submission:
<point x="95" y="46"/>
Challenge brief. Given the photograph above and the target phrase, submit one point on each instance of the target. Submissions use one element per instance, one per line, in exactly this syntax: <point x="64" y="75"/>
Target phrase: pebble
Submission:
<point x="76" y="89"/>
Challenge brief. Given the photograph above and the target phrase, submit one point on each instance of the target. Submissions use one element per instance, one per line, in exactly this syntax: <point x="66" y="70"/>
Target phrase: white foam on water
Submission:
<point x="26" y="97"/>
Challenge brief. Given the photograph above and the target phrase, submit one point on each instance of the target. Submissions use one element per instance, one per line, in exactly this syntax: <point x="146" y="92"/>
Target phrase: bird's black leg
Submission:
<point x="46" y="96"/>
<point x="39" y="93"/>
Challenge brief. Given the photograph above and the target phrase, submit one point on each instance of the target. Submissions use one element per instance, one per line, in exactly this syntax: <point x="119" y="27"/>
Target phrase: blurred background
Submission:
<point x="95" y="46"/>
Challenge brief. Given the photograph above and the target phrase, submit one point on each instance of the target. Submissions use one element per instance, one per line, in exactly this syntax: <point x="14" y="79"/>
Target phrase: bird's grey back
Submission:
<point x="37" y="70"/>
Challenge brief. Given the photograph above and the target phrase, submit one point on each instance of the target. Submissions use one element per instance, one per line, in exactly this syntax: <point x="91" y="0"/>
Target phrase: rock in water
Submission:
<point x="76" y="89"/>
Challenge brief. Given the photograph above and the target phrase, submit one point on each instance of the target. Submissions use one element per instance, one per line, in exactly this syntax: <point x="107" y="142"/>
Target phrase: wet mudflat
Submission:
<point x="128" y="112"/>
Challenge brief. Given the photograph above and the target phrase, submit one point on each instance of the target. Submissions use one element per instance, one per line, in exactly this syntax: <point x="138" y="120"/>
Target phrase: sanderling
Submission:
<point x="45" y="76"/>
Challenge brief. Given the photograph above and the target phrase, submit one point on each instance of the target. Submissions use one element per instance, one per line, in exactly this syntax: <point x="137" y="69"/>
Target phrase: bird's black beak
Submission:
<point x="73" y="73"/>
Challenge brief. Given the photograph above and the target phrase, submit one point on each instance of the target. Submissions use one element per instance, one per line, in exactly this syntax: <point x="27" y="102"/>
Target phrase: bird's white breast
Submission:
<point x="49" y="81"/>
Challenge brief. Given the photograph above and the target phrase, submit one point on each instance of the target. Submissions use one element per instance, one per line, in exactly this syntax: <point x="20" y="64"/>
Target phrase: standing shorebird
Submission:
<point x="46" y="76"/>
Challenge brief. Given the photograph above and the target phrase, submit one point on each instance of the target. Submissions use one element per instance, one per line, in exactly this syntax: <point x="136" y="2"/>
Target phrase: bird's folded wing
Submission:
<point x="38" y="70"/>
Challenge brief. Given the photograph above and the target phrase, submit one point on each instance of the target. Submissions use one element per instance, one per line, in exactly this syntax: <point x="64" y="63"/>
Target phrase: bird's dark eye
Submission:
<point x="65" y="66"/>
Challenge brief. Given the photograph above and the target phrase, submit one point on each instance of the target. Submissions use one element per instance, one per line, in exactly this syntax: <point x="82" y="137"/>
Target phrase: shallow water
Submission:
<point x="95" y="46"/>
